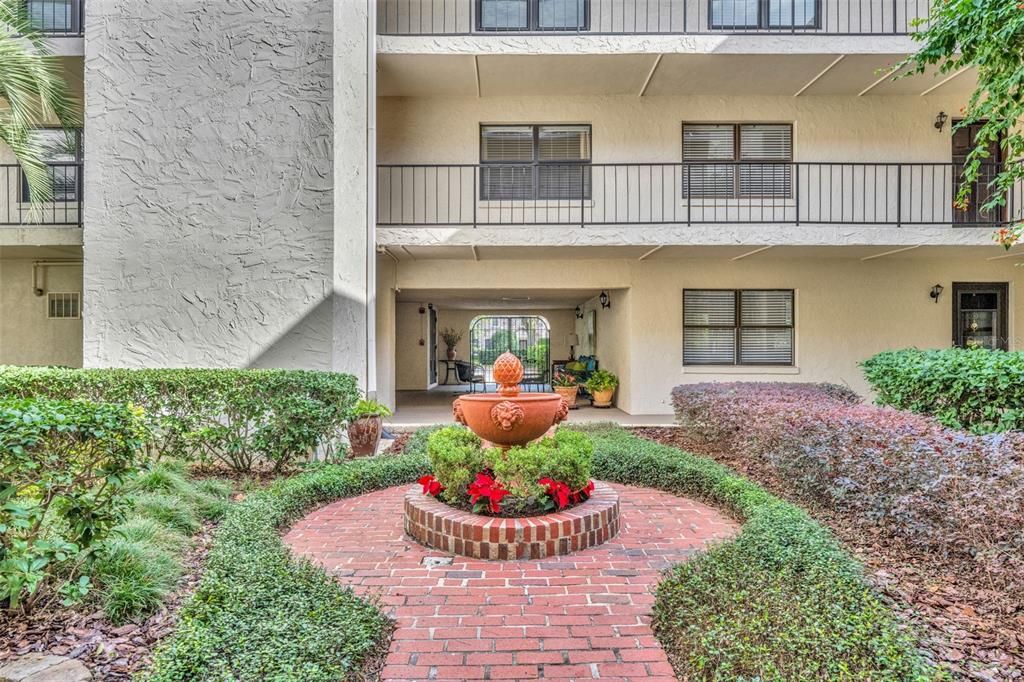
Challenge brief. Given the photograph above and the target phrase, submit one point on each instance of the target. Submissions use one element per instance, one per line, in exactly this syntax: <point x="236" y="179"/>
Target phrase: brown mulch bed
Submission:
<point x="110" y="652"/>
<point x="976" y="631"/>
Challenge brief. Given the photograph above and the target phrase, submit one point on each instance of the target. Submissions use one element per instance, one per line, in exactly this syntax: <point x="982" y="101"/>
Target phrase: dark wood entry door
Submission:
<point x="963" y="143"/>
<point x="432" y="345"/>
<point x="980" y="315"/>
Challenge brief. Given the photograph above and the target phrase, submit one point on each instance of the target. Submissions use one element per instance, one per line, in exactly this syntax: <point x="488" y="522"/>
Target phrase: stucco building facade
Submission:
<point x="329" y="184"/>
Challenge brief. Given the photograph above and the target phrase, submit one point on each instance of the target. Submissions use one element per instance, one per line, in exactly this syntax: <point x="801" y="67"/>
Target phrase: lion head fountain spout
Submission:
<point x="508" y="418"/>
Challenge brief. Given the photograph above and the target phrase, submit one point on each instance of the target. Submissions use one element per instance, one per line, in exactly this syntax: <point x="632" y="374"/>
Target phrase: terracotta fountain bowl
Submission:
<point x="510" y="420"/>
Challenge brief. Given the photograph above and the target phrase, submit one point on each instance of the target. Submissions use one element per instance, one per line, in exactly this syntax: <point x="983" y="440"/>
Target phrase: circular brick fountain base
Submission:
<point x="435" y="524"/>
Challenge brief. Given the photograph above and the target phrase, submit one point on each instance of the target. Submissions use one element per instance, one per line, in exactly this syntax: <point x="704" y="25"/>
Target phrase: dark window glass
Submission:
<point x="744" y="327"/>
<point x="62" y="152"/>
<point x="535" y="162"/>
<point x="765" y="14"/>
<point x="532" y="15"/>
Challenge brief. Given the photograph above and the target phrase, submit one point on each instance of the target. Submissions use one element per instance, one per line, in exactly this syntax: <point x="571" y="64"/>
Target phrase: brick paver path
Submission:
<point x="583" y="616"/>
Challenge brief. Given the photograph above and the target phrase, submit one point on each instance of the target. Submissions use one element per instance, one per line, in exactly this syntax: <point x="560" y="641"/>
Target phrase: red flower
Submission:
<point x="557" y="491"/>
<point x="485" y="487"/>
<point x="583" y="493"/>
<point x="431" y="486"/>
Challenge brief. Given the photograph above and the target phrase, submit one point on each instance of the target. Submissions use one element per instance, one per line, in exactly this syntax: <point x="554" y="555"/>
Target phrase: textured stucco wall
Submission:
<point x="27" y="336"/>
<point x="208" y="183"/>
<point x="846" y="309"/>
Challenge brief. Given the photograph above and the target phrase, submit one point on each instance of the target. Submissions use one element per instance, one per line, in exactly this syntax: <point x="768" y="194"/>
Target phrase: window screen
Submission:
<point x="532" y="15"/>
<point x="744" y="327"/>
<point x="763" y="14"/>
<point x="62" y="152"/>
<point x="535" y="162"/>
<point x="748" y="160"/>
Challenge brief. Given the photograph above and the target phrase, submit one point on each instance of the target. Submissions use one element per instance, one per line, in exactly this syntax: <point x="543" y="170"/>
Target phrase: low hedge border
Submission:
<point x="258" y="612"/>
<point x="782" y="601"/>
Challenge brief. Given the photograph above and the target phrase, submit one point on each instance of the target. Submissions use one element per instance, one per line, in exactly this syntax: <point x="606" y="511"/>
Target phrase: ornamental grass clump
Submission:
<point x="952" y="494"/>
<point x="549" y="474"/>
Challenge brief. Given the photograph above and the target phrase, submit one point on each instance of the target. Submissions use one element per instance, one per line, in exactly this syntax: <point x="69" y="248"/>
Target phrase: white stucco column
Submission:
<point x="354" y="277"/>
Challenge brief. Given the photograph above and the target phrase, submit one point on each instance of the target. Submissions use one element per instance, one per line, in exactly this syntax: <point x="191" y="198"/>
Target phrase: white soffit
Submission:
<point x="735" y="74"/>
<point x="563" y="74"/>
<point x="425" y="75"/>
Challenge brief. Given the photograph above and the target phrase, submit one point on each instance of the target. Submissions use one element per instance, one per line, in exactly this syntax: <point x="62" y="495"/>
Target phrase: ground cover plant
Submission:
<point x="782" y="601"/>
<point x="974" y="389"/>
<point x="258" y="613"/>
<point x="547" y="475"/>
<point x="938" y="512"/>
<point x="242" y="419"/>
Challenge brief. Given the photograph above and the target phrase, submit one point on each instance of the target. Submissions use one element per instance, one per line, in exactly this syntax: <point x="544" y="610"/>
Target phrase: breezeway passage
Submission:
<point x="582" y="616"/>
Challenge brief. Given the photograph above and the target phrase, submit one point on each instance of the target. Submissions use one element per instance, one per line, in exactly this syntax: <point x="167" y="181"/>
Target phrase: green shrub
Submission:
<point x="63" y="468"/>
<point x="419" y="439"/>
<point x="565" y="458"/>
<point x="457" y="456"/>
<point x="781" y="601"/>
<point x="973" y="389"/>
<point x="239" y="417"/>
<point x="257" y="613"/>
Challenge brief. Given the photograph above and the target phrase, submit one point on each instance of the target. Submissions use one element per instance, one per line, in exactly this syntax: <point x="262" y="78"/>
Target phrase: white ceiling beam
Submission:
<point x="476" y="256"/>
<point x="887" y="76"/>
<point x="386" y="252"/>
<point x="476" y="73"/>
<point x="751" y="253"/>
<point x="946" y="80"/>
<point x="650" y="75"/>
<point x="890" y="252"/>
<point x="653" y="251"/>
<point x="1015" y="254"/>
<point x="407" y="253"/>
<point x="820" y="74"/>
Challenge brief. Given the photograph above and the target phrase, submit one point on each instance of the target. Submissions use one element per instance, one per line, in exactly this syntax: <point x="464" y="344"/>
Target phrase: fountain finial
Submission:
<point x="508" y="372"/>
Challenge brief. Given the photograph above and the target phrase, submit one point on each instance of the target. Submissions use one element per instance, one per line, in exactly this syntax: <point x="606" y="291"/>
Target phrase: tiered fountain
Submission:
<point x="506" y="419"/>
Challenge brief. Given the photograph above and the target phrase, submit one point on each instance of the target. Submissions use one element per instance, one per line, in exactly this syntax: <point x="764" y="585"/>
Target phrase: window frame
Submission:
<point x="74" y="296"/>
<point x="536" y="162"/>
<point x="737" y="328"/>
<point x="24" y="195"/>
<point x="1002" y="290"/>
<point x="532" y="20"/>
<point x="737" y="126"/>
<point x="763" y="14"/>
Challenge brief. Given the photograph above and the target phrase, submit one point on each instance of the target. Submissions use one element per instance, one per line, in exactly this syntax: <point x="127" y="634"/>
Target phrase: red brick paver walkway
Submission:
<point x="583" y="616"/>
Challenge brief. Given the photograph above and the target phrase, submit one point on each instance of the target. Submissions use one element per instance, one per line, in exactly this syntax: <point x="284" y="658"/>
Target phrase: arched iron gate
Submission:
<point x="528" y="337"/>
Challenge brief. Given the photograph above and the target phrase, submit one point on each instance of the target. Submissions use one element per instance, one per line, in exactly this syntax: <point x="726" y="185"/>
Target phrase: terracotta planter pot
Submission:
<point x="603" y="398"/>
<point x="569" y="393"/>
<point x="451" y="354"/>
<point x="364" y="436"/>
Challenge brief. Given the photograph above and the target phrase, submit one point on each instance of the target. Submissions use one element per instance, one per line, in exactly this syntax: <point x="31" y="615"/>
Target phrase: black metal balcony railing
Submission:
<point x="64" y="208"/>
<point x="693" y="17"/>
<point x="851" y="193"/>
<point x="57" y="17"/>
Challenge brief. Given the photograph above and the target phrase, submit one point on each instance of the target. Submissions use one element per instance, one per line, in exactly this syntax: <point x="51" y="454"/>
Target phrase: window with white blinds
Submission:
<point x="745" y="160"/>
<point x="62" y="152"/>
<point x="762" y="14"/>
<point x="532" y="15"/>
<point x="738" y="327"/>
<point x="535" y="162"/>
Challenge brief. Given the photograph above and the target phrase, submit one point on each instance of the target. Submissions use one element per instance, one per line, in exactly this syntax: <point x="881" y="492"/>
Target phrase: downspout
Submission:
<point x="371" y="198"/>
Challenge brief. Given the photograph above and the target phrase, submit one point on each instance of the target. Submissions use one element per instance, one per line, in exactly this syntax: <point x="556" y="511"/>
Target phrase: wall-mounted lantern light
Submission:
<point x="936" y="292"/>
<point x="579" y="313"/>
<point x="605" y="301"/>
<point x="940" y="120"/>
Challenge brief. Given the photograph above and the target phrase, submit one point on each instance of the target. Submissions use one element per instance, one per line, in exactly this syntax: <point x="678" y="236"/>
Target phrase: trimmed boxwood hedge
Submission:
<point x="260" y="614"/>
<point x="241" y="417"/>
<point x="781" y="601"/>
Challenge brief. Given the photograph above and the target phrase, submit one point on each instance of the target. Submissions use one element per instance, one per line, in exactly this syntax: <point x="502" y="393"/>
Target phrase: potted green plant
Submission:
<point x="364" y="427"/>
<point x="567" y="386"/>
<point x="602" y="385"/>
<point x="451" y="338"/>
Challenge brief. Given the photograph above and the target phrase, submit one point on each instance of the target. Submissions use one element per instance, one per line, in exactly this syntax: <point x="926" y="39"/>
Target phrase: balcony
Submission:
<point x="649" y="17"/>
<point x="691" y="193"/>
<point x="65" y="208"/>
